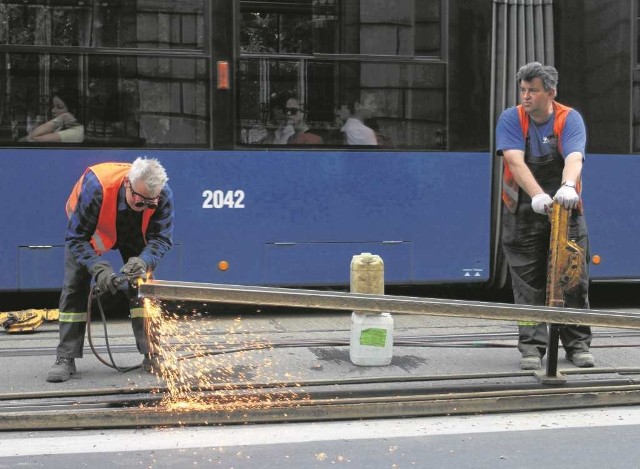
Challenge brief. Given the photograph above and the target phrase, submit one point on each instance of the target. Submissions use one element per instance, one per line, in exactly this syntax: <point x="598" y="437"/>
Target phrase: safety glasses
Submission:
<point x="140" y="200"/>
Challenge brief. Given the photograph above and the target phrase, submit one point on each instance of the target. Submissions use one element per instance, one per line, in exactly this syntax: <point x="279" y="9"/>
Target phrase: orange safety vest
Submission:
<point x="110" y="176"/>
<point x="510" y="188"/>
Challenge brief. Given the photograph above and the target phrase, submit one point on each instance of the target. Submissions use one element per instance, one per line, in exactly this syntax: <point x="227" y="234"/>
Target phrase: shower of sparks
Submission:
<point x="206" y="370"/>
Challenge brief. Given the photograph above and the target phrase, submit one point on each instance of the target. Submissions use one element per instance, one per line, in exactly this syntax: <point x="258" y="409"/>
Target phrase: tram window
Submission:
<point x="276" y="33"/>
<point x="122" y="100"/>
<point x="636" y="87"/>
<point x="25" y="107"/>
<point x="164" y="24"/>
<point x="403" y="103"/>
<point x="401" y="27"/>
<point x="329" y="85"/>
<point x="149" y="101"/>
<point x="637" y="10"/>
<point x="153" y="100"/>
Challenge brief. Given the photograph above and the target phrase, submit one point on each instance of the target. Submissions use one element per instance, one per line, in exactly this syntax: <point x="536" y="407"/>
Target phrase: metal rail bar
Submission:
<point x="325" y="409"/>
<point x="279" y="385"/>
<point x="288" y="297"/>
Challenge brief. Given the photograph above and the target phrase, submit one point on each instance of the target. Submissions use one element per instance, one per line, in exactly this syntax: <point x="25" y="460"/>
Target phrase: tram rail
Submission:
<point x="341" y="399"/>
<point x="319" y="401"/>
<point x="473" y="339"/>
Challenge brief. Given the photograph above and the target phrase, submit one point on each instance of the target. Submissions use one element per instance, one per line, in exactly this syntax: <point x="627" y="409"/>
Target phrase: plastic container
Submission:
<point x="367" y="274"/>
<point x="371" y="341"/>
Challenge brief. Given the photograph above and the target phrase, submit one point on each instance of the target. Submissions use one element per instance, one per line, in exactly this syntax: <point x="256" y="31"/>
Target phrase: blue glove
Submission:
<point x="134" y="268"/>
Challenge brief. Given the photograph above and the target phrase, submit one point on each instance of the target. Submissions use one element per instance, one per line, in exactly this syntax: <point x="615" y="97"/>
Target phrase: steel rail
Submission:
<point x="475" y="338"/>
<point x="270" y="296"/>
<point x="310" y="383"/>
<point x="237" y="397"/>
<point x="66" y="417"/>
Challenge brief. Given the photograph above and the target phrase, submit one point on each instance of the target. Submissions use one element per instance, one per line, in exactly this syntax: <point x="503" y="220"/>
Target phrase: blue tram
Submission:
<point x="297" y="133"/>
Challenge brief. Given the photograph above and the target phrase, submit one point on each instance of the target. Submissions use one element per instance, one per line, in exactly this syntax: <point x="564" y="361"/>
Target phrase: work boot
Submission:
<point x="582" y="359"/>
<point x="62" y="370"/>
<point x="530" y="362"/>
<point x="151" y="363"/>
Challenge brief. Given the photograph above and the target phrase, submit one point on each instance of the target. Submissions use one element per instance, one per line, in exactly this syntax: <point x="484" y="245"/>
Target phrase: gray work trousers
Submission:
<point x="525" y="240"/>
<point x="74" y="299"/>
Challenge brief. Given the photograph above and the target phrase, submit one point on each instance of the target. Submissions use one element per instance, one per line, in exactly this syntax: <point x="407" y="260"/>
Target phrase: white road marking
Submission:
<point x="95" y="441"/>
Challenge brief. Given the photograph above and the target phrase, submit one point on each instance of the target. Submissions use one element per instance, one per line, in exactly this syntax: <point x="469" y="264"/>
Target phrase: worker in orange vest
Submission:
<point x="123" y="206"/>
<point x="543" y="146"/>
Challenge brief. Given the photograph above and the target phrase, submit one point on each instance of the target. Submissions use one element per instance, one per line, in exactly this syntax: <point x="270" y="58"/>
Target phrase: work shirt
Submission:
<point x="83" y="222"/>
<point x="509" y="134"/>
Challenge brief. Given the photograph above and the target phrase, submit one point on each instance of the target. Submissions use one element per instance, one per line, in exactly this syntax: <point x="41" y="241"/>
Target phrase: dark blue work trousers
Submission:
<point x="525" y="240"/>
<point x="73" y="309"/>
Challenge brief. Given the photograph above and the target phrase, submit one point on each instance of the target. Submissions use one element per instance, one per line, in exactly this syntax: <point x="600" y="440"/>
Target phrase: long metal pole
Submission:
<point x="289" y="297"/>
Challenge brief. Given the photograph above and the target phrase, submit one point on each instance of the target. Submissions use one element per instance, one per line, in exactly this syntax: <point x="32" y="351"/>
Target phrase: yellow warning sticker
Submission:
<point x="373" y="337"/>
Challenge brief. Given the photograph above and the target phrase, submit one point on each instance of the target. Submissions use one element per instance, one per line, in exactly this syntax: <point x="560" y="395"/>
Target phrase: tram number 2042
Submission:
<point x="223" y="199"/>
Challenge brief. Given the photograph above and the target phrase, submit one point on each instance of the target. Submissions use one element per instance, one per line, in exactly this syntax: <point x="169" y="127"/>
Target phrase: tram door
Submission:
<point x="521" y="33"/>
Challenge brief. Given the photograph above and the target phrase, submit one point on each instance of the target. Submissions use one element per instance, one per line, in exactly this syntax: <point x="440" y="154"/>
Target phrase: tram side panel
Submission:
<point x="290" y="218"/>
<point x="599" y="77"/>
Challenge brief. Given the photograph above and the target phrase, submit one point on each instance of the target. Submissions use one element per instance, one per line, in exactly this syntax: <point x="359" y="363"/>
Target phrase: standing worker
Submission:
<point x="123" y="206"/>
<point x="543" y="145"/>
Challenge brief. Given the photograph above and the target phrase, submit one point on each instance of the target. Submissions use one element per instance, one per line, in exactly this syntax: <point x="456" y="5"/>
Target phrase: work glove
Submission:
<point x="541" y="203"/>
<point x="134" y="268"/>
<point x="567" y="195"/>
<point x="105" y="278"/>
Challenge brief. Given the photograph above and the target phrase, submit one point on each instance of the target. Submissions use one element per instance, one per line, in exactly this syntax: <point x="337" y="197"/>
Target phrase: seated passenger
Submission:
<point x="355" y="131"/>
<point x="295" y="116"/>
<point x="64" y="127"/>
<point x="292" y="129"/>
<point x="284" y="130"/>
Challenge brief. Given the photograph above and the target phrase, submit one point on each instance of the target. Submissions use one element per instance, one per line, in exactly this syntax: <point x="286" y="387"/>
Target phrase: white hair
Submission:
<point x="150" y="172"/>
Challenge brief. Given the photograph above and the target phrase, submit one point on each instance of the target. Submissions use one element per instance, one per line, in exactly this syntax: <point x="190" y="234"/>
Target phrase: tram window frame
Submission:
<point x="191" y="92"/>
<point x="261" y="124"/>
<point x="635" y="83"/>
<point x="636" y="15"/>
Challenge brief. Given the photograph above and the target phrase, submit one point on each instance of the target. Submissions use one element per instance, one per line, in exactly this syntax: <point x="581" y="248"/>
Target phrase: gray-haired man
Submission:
<point x="123" y="206"/>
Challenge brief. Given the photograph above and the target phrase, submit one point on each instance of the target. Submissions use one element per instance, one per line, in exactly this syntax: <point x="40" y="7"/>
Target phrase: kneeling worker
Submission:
<point x="123" y="206"/>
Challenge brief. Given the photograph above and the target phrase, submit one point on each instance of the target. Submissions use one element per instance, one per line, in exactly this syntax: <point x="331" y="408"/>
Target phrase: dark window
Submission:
<point x="164" y="24"/>
<point x="636" y="86"/>
<point x="595" y="68"/>
<point x="138" y="75"/>
<point x="637" y="32"/>
<point x="337" y="72"/>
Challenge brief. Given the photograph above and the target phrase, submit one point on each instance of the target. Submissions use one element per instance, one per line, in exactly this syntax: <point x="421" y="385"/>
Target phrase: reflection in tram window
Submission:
<point x="126" y="97"/>
<point x="161" y="24"/>
<point x="390" y="53"/>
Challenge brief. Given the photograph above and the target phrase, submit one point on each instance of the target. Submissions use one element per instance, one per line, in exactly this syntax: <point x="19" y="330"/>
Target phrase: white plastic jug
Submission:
<point x="371" y="341"/>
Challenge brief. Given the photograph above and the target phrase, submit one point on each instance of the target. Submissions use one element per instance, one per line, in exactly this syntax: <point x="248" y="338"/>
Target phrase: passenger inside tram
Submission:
<point x="355" y="131"/>
<point x="293" y="129"/>
<point x="63" y="126"/>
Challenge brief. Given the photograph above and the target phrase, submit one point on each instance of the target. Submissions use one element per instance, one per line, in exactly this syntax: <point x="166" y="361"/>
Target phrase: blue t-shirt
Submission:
<point x="509" y="134"/>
